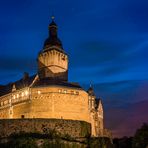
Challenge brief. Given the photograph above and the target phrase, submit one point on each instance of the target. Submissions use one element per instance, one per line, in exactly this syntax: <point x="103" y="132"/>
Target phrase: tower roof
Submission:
<point x="52" y="39"/>
<point x="53" y="24"/>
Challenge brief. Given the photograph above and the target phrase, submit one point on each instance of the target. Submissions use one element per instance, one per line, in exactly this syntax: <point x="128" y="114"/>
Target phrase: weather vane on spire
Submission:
<point x="52" y="17"/>
<point x="90" y="84"/>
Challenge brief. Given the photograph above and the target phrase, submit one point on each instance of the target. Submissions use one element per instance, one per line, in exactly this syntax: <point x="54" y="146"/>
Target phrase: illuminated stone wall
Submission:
<point x="46" y="102"/>
<point x="52" y="64"/>
<point x="15" y="104"/>
<point x="52" y="102"/>
<point x="60" y="102"/>
<point x="44" y="126"/>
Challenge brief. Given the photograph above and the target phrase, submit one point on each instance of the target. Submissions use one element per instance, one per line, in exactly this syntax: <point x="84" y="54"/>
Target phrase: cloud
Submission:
<point x="13" y="67"/>
<point x="125" y="122"/>
<point x="128" y="91"/>
<point x="93" y="53"/>
<point x="104" y="51"/>
<point x="117" y="69"/>
<point x="125" y="105"/>
<point x="119" y="94"/>
<point x="136" y="12"/>
<point x="17" y="63"/>
<point x="106" y="60"/>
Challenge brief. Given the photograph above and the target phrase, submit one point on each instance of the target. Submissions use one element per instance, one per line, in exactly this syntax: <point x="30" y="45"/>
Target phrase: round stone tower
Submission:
<point x="52" y="60"/>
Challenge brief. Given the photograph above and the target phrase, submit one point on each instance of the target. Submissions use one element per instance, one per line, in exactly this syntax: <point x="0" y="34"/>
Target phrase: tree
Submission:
<point x="140" y="139"/>
<point x="124" y="142"/>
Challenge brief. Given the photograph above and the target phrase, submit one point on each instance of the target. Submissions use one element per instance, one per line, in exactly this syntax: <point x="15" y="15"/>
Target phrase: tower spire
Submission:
<point x="52" y="39"/>
<point x="90" y="85"/>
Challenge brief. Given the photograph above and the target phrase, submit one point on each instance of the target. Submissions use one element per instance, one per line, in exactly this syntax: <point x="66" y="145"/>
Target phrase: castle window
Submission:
<point x="22" y="116"/>
<point x="10" y="112"/>
<point x="65" y="91"/>
<point x="14" y="97"/>
<point x="17" y="95"/>
<point x="26" y="92"/>
<point x="5" y="102"/>
<point x="72" y="92"/>
<point x="22" y="94"/>
<point x="77" y="93"/>
<point x="60" y="90"/>
<point x="63" y="58"/>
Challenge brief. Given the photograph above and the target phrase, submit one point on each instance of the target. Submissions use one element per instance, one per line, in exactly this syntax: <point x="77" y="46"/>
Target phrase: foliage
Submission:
<point x="62" y="144"/>
<point x="100" y="142"/>
<point x="125" y="142"/>
<point x="85" y="129"/>
<point x="20" y="143"/>
<point x="51" y="133"/>
<point x="68" y="137"/>
<point x="140" y="139"/>
<point x="50" y="138"/>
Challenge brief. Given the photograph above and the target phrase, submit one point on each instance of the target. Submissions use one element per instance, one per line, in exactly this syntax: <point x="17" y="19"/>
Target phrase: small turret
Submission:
<point x="100" y="108"/>
<point x="25" y="76"/>
<point x="91" y="91"/>
<point x="13" y="87"/>
<point x="100" y="115"/>
<point x="52" y="60"/>
<point x="92" y="98"/>
<point x="53" y="39"/>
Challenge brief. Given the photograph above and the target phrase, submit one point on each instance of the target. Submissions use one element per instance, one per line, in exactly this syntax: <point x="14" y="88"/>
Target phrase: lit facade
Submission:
<point x="48" y="94"/>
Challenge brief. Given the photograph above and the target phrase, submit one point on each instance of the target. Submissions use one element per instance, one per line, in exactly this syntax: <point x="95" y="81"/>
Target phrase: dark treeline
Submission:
<point x="140" y="139"/>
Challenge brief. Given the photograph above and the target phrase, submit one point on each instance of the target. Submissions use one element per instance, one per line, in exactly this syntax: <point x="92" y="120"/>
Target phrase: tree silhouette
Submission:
<point x="140" y="139"/>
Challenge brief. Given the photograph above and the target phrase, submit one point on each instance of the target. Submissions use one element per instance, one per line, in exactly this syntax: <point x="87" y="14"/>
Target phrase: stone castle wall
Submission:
<point x="53" y="58"/>
<point x="63" y="103"/>
<point x="72" y="128"/>
<point x="52" y="64"/>
<point x="13" y="104"/>
<point x="47" y="102"/>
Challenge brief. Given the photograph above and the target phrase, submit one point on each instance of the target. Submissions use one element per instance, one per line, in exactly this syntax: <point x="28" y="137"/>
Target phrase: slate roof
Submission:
<point x="22" y="83"/>
<point x="53" y="23"/>
<point x="5" y="89"/>
<point x="51" y="81"/>
<point x="53" y="39"/>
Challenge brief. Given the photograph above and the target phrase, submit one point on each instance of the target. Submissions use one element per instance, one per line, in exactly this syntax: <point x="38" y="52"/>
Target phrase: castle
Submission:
<point x="49" y="94"/>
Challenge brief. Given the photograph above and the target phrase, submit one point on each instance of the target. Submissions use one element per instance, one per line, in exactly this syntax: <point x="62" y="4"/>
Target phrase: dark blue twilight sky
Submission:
<point x="107" y="43"/>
